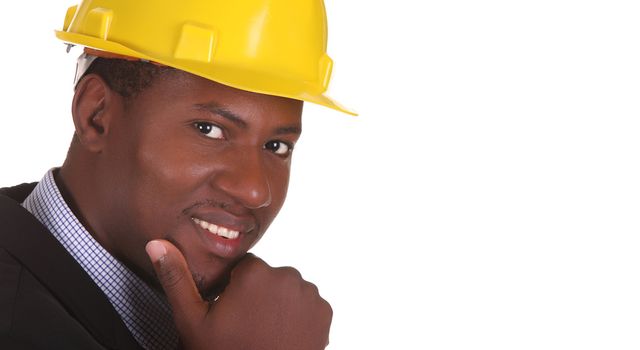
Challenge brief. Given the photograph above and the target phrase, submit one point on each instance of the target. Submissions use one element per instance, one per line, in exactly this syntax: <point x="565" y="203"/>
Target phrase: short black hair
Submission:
<point x="126" y="77"/>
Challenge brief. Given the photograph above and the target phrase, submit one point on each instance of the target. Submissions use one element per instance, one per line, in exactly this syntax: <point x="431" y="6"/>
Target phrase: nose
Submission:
<point x="245" y="179"/>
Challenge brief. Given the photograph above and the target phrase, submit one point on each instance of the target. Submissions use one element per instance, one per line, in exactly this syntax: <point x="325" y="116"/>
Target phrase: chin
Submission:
<point x="208" y="290"/>
<point x="213" y="277"/>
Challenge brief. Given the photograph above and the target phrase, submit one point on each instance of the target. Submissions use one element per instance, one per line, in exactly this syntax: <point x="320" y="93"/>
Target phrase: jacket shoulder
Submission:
<point x="18" y="193"/>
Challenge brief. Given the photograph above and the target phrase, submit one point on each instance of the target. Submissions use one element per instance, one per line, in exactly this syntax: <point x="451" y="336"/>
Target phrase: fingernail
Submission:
<point x="155" y="250"/>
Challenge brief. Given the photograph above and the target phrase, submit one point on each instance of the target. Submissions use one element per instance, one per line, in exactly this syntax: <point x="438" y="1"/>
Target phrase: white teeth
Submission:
<point x="217" y="230"/>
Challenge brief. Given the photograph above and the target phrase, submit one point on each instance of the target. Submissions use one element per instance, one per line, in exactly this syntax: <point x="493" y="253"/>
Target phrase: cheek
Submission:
<point x="167" y="176"/>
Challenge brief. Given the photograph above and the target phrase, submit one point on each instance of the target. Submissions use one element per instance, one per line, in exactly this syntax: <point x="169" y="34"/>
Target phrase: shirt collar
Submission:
<point x="144" y="311"/>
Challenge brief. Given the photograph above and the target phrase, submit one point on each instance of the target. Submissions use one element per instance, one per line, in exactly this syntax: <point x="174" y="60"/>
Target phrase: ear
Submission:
<point x="94" y="107"/>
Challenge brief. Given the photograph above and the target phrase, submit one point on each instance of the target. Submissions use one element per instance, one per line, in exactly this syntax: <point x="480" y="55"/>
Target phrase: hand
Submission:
<point x="261" y="308"/>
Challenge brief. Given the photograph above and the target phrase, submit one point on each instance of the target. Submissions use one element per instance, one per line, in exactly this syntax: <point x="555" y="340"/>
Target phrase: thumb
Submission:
<point x="178" y="284"/>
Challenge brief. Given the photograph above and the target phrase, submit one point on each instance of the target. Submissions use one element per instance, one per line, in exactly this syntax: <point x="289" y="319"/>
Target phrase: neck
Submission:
<point x="79" y="190"/>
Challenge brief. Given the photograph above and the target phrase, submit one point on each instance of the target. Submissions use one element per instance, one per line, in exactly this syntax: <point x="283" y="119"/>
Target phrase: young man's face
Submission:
<point x="192" y="161"/>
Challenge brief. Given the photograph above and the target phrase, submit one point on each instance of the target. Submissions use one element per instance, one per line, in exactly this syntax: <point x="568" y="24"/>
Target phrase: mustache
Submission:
<point x="206" y="203"/>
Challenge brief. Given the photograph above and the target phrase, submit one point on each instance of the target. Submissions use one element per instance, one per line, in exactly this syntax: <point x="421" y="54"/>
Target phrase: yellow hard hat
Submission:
<point x="275" y="47"/>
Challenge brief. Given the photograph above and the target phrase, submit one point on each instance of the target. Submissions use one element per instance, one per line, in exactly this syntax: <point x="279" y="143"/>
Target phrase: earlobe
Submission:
<point x="92" y="111"/>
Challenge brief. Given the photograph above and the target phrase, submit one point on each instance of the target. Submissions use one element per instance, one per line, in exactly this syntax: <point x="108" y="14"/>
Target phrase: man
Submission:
<point x="185" y="119"/>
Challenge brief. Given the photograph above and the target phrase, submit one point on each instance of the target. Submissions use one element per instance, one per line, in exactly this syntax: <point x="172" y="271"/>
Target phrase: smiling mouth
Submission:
<point x="217" y="230"/>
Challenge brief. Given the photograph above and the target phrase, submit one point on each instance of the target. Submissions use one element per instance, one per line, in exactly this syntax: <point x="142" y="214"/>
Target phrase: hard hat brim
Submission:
<point x="236" y="77"/>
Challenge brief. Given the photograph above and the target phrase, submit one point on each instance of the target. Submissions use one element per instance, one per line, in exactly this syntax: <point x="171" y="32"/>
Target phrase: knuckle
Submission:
<point x="327" y="308"/>
<point x="260" y="264"/>
<point x="323" y="305"/>
<point x="313" y="289"/>
<point x="251" y="262"/>
<point x="325" y="313"/>
<point x="289" y="272"/>
<point x="248" y="268"/>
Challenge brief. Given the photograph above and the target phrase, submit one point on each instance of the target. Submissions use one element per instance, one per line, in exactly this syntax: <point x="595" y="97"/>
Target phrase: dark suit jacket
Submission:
<point x="47" y="301"/>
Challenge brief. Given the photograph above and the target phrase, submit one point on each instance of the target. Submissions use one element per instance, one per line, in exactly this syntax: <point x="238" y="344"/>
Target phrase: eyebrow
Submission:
<point x="234" y="118"/>
<point x="293" y="129"/>
<point x="221" y="111"/>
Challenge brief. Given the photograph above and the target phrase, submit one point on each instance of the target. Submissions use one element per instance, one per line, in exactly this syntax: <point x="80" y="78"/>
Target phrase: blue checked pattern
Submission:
<point x="145" y="312"/>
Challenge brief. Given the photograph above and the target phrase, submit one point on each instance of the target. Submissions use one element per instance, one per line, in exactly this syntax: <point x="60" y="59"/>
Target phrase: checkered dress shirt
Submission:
<point x="144" y="311"/>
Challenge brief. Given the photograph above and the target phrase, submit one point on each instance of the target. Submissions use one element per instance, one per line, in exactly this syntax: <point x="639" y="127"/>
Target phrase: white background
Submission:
<point x="488" y="196"/>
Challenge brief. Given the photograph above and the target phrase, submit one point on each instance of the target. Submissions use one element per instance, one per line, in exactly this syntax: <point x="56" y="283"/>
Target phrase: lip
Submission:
<point x="220" y="246"/>
<point x="242" y="224"/>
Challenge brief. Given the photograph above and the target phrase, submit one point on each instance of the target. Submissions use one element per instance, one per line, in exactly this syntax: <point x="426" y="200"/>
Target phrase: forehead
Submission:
<point x="180" y="90"/>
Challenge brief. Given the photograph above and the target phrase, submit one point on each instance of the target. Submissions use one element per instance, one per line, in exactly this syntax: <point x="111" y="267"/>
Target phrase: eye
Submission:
<point x="209" y="130"/>
<point x="278" y="147"/>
